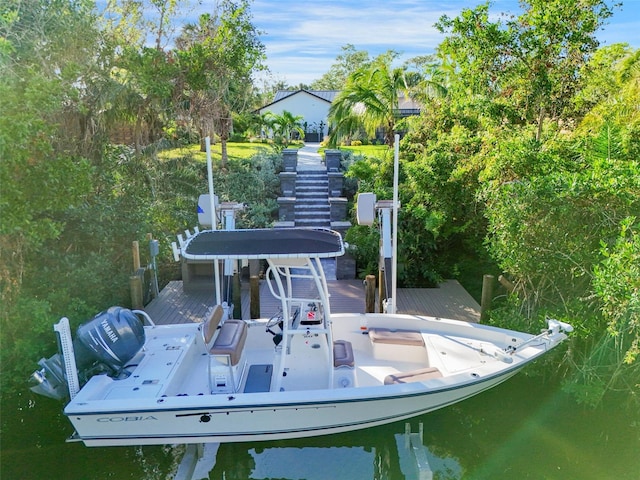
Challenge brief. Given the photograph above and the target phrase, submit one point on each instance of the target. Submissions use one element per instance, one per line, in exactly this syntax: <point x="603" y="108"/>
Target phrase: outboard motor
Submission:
<point x="102" y="345"/>
<point x="112" y="337"/>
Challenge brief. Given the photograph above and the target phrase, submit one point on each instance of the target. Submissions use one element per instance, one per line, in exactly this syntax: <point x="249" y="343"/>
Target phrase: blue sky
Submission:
<point x="303" y="38"/>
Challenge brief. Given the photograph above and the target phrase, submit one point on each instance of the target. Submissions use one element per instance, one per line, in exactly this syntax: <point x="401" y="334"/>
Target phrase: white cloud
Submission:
<point x="303" y="38"/>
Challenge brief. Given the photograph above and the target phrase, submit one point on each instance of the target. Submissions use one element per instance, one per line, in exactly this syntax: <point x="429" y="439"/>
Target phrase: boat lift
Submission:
<point x="200" y="459"/>
<point x="366" y="207"/>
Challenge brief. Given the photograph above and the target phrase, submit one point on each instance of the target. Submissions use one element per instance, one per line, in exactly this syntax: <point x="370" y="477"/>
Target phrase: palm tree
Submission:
<point x="284" y="125"/>
<point x="370" y="100"/>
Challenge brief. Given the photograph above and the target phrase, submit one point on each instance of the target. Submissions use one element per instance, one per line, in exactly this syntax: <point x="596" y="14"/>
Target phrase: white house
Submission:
<point x="312" y="105"/>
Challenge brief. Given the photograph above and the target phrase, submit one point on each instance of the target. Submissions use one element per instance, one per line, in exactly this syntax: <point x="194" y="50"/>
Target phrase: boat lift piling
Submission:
<point x="198" y="460"/>
<point x="413" y="454"/>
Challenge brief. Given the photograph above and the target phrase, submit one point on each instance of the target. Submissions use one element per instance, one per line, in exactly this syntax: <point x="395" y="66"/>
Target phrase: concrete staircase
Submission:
<point x="312" y="207"/>
<point x="312" y="191"/>
<point x="312" y="197"/>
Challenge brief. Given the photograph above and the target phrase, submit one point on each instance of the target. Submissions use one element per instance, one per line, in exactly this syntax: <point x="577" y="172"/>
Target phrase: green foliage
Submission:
<point x="617" y="284"/>
<point x="346" y="63"/>
<point x="530" y="157"/>
<point x="531" y="61"/>
<point x="369" y="100"/>
<point x="217" y="57"/>
<point x="364" y="246"/>
<point x="283" y="126"/>
<point x="613" y="365"/>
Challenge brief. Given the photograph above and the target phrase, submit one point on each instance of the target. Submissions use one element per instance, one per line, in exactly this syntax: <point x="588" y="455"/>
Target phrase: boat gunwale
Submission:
<point x="390" y="395"/>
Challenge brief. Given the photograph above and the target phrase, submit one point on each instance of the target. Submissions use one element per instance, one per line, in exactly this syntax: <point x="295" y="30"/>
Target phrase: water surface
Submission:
<point x="521" y="429"/>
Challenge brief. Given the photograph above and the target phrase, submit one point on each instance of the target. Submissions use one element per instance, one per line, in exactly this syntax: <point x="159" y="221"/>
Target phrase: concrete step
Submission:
<point x="313" y="214"/>
<point x="312" y="206"/>
<point x="312" y="223"/>
<point x="312" y="180"/>
<point x="312" y="188"/>
<point x="311" y="196"/>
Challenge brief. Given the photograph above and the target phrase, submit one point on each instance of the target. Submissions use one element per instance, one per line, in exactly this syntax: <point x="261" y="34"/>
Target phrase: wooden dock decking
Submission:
<point x="449" y="300"/>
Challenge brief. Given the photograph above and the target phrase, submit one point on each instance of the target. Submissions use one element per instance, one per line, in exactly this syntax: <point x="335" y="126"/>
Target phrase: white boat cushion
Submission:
<point x="396" y="337"/>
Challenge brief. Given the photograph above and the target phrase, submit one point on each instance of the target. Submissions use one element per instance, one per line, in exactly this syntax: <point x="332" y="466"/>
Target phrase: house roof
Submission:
<point x="327" y="95"/>
<point x="406" y="106"/>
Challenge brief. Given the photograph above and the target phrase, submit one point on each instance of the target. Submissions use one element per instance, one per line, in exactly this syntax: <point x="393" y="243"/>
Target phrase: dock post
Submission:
<point x="370" y="294"/>
<point x="237" y="296"/>
<point x="254" y="287"/>
<point x="135" y="285"/>
<point x="487" y="296"/>
<point x="135" y="252"/>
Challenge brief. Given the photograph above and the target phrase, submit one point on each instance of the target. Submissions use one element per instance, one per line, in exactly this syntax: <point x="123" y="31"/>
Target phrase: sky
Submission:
<point x="303" y="38"/>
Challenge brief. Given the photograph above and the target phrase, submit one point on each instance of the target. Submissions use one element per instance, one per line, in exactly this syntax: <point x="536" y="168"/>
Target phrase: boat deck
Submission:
<point x="449" y="300"/>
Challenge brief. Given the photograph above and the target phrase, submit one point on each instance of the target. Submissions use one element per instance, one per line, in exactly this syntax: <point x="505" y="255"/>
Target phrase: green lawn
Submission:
<point x="368" y="150"/>
<point x="245" y="150"/>
<point x="234" y="150"/>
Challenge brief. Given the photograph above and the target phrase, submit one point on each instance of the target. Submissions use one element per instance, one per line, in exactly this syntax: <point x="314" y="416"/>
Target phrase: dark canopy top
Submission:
<point x="263" y="243"/>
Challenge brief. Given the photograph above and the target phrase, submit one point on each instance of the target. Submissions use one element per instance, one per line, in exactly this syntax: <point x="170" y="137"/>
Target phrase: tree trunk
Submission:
<point x="223" y="147"/>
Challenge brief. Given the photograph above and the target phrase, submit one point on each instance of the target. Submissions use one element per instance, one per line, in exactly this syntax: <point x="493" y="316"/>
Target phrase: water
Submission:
<point x="521" y="429"/>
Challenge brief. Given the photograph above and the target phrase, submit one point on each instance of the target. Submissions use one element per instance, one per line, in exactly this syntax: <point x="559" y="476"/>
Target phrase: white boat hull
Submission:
<point x="135" y="411"/>
<point x="265" y="418"/>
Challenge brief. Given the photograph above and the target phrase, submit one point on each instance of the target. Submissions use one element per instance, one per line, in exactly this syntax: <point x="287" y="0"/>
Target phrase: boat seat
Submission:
<point x="342" y="354"/>
<point x="210" y="325"/>
<point x="413" y="376"/>
<point x="396" y="337"/>
<point x="230" y="340"/>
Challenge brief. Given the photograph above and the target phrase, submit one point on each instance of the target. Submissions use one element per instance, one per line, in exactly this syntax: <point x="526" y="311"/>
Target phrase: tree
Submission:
<point x="346" y="63"/>
<point x="530" y="62"/>
<point x="433" y="79"/>
<point x="370" y="100"/>
<point x="46" y="56"/>
<point x="217" y="57"/>
<point x="284" y="125"/>
<point x="138" y="88"/>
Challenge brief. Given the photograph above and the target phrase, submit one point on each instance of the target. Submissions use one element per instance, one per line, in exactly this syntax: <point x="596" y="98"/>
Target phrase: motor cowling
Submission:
<point x="112" y="337"/>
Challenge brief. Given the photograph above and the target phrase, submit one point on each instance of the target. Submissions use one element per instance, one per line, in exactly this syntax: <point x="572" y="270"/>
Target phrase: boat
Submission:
<point x="303" y="372"/>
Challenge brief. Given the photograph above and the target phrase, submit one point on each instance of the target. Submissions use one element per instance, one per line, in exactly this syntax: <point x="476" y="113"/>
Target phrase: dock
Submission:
<point x="449" y="300"/>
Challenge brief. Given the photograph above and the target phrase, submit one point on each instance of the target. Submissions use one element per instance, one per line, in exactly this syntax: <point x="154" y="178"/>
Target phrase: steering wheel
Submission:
<point x="276" y="319"/>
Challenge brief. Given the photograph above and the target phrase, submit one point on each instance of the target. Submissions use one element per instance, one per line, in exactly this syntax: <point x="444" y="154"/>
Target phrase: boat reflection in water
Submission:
<point x="373" y="454"/>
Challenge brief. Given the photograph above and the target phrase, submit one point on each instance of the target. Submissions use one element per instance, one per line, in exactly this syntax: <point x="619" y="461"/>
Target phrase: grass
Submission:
<point x="366" y="150"/>
<point x="237" y="151"/>
<point x="244" y="150"/>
